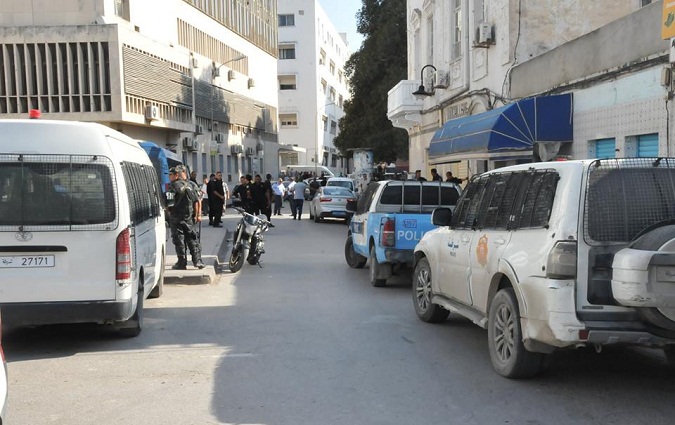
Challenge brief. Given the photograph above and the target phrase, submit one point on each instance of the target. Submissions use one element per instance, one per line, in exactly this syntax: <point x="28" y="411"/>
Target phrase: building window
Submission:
<point x="340" y="100"/>
<point x="288" y="120"/>
<point x="646" y="2"/>
<point x="287" y="20"/>
<point x="324" y="86"/>
<point x="325" y="123"/>
<point x="430" y="39"/>
<point x="332" y="94"/>
<point x="287" y="82"/>
<point x="322" y="57"/>
<point x="456" y="29"/>
<point x="122" y="9"/>
<point x="333" y="127"/>
<point x="340" y="76"/>
<point x="648" y="145"/>
<point x="287" y="51"/>
<point x="605" y="148"/>
<point x="332" y="68"/>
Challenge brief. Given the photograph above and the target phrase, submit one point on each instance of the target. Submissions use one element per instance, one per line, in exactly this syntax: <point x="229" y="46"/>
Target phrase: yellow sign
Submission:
<point x="668" y="20"/>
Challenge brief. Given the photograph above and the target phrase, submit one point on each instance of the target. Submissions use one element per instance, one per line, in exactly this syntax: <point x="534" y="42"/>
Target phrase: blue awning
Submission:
<point x="513" y="128"/>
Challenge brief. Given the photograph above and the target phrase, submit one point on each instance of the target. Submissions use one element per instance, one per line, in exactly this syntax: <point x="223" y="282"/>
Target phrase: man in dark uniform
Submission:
<point x="184" y="212"/>
<point x="216" y="190"/>
<point x="243" y="192"/>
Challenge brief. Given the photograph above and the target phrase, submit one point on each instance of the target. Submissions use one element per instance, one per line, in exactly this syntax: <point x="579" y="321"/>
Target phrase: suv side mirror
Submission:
<point x="351" y="206"/>
<point x="441" y="216"/>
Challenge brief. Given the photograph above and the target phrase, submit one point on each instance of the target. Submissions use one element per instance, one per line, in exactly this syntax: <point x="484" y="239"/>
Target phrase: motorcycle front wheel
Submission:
<point x="237" y="258"/>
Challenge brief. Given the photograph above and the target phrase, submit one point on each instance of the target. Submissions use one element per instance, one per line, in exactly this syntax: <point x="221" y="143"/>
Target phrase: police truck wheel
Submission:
<point x="354" y="260"/>
<point x="375" y="270"/>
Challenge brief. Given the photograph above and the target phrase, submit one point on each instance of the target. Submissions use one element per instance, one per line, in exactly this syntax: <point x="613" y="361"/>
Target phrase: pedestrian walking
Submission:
<point x="299" y="198"/>
<point x="290" y="196"/>
<point x="184" y="212"/>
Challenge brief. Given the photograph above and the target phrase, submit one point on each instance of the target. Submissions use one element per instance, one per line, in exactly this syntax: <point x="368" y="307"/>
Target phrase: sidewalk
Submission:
<point x="215" y="250"/>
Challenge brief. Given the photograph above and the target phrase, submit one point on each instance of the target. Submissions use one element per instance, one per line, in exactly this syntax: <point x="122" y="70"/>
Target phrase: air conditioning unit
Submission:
<point x="251" y="83"/>
<point x="220" y="137"/>
<point x="231" y="75"/>
<point x="194" y="62"/>
<point x="199" y="129"/>
<point x="484" y="33"/>
<point x="250" y="151"/>
<point x="190" y="143"/>
<point x="151" y="112"/>
<point x="236" y="149"/>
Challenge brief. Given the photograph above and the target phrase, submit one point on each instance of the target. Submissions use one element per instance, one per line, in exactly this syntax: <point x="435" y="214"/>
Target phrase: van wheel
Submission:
<point x="505" y="339"/>
<point x="158" y="290"/>
<point x="132" y="327"/>
<point x="354" y="260"/>
<point x="426" y="311"/>
<point x="375" y="270"/>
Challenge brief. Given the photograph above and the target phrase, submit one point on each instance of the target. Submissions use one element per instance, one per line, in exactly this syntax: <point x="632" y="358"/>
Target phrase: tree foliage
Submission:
<point x="378" y="65"/>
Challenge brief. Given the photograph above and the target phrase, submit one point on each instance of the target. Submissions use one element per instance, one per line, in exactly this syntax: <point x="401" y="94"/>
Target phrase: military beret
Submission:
<point x="173" y="170"/>
<point x="179" y="168"/>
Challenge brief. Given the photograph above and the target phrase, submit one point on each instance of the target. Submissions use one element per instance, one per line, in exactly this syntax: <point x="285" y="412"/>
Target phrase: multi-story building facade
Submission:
<point x="312" y="84"/>
<point x="462" y="56"/>
<point x="195" y="76"/>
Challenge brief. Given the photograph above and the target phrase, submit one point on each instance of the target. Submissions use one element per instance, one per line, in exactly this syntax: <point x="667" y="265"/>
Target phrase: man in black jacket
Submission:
<point x="217" y="198"/>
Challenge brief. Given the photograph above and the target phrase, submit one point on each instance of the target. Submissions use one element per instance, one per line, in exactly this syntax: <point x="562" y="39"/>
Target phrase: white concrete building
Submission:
<point x="622" y="105"/>
<point x="312" y="84"/>
<point x="196" y="76"/>
<point x="465" y="51"/>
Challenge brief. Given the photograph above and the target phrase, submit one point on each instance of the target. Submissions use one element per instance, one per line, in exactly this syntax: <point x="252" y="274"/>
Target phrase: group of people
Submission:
<point x="437" y="177"/>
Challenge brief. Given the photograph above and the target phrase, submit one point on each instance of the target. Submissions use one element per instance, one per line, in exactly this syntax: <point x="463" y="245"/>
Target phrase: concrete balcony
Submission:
<point x="404" y="109"/>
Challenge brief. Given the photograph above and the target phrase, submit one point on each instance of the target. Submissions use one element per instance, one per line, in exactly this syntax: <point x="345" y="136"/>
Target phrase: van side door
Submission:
<point x="359" y="222"/>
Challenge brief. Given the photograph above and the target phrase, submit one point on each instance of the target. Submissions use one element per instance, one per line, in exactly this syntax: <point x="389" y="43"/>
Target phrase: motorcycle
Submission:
<point x="248" y="243"/>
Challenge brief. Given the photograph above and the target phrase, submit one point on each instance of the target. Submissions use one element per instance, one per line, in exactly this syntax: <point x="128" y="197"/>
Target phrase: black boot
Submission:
<point x="181" y="264"/>
<point x="199" y="264"/>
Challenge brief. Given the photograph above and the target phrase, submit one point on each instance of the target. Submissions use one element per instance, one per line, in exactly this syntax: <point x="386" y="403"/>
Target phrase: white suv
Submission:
<point x="556" y="254"/>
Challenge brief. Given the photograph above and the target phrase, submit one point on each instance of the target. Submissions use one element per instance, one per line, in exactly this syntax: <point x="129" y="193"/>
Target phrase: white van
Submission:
<point x="82" y="231"/>
<point x="301" y="169"/>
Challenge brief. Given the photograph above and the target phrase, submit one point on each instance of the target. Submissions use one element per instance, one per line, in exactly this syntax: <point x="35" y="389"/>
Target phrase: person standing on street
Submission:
<point x="184" y="212"/>
<point x="243" y="192"/>
<point x="290" y="196"/>
<point x="435" y="176"/>
<point x="418" y="176"/>
<point x="193" y="177"/>
<point x="217" y="191"/>
<point x="299" y="198"/>
<point x="269" y="196"/>
<point x="450" y="178"/>
<point x="205" y="197"/>
<point x="279" y="191"/>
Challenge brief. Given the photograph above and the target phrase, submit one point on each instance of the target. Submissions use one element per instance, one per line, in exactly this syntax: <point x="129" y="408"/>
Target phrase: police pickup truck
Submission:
<point x="389" y="219"/>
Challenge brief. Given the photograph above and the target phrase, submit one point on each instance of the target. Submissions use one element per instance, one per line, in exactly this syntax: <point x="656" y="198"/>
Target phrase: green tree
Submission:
<point x="378" y="65"/>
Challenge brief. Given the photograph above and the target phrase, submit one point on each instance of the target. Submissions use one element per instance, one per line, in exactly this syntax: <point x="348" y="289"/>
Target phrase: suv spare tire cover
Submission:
<point x="660" y="239"/>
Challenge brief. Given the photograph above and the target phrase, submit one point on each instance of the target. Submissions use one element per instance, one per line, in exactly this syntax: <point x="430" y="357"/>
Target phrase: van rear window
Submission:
<point x="56" y="192"/>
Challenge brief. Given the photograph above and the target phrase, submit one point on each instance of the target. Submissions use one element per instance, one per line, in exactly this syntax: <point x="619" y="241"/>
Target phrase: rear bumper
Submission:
<point x="336" y="214"/>
<point x="398" y="256"/>
<point x="32" y="314"/>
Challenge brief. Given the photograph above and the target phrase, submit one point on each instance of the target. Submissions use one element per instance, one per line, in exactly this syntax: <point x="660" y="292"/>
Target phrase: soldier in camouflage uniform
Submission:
<point x="184" y="213"/>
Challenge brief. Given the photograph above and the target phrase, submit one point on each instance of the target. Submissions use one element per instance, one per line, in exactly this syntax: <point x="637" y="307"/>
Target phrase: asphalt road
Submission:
<point x="306" y="340"/>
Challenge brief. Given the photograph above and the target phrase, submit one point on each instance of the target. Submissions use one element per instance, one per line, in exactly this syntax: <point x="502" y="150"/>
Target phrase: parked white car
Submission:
<point x="557" y="254"/>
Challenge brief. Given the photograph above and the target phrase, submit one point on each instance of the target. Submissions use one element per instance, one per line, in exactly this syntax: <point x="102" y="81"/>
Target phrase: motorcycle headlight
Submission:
<point x="250" y="219"/>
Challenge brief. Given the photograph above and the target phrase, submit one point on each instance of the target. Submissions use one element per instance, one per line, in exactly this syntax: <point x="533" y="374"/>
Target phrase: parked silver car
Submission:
<point x="331" y="202"/>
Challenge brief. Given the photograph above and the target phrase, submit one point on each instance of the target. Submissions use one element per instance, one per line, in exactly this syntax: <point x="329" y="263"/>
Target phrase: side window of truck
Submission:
<point x="366" y="198"/>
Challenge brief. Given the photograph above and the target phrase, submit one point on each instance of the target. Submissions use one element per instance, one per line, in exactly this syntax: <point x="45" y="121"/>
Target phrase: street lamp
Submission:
<point x="422" y="91"/>
<point x="316" y="150"/>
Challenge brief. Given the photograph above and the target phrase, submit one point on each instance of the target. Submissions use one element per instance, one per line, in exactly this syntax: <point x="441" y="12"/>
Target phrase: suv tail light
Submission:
<point x="123" y="255"/>
<point x="562" y="261"/>
<point x="322" y="199"/>
<point x="388" y="235"/>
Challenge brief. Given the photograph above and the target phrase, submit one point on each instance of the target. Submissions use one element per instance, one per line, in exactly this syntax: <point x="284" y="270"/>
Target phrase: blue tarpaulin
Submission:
<point x="512" y="128"/>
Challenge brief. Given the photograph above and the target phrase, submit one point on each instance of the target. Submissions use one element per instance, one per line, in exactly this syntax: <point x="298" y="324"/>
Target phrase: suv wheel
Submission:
<point x="505" y="339"/>
<point x="426" y="311"/>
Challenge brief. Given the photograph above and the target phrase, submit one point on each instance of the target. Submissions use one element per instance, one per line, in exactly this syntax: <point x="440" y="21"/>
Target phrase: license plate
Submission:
<point x="26" y="261"/>
<point x="339" y="213"/>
